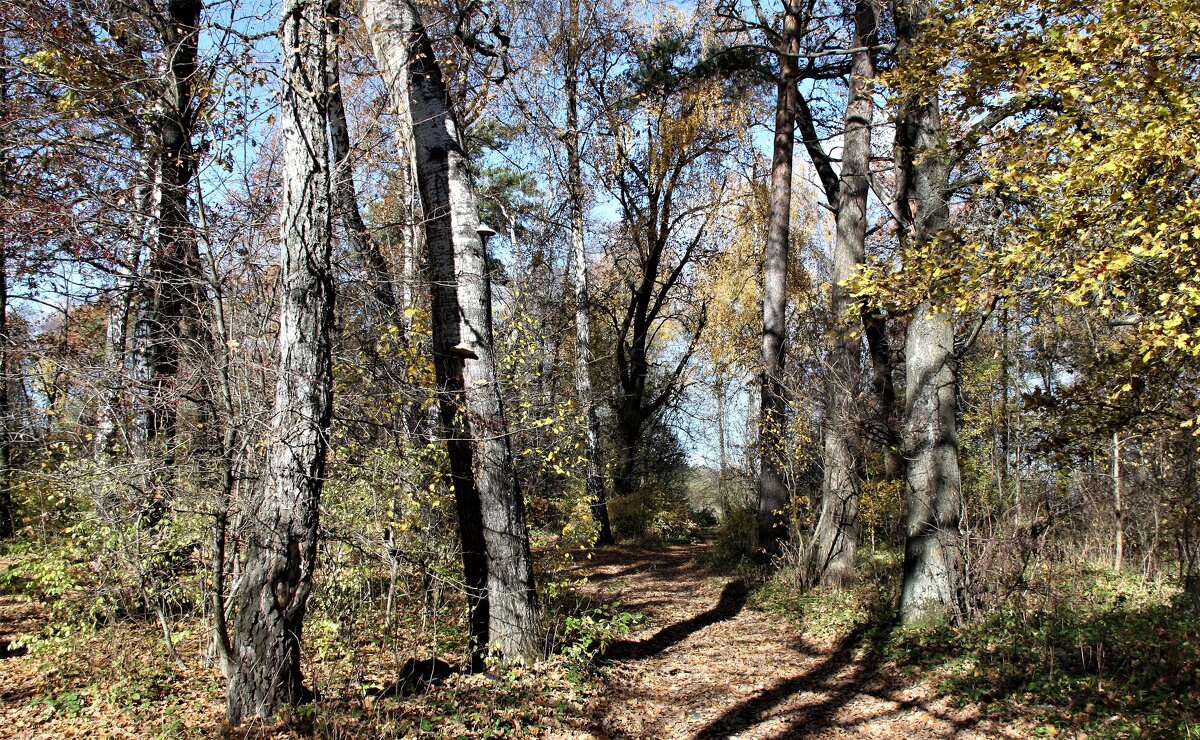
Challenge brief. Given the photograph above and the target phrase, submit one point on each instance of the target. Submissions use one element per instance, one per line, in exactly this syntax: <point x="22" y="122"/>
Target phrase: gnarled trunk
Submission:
<point x="281" y="548"/>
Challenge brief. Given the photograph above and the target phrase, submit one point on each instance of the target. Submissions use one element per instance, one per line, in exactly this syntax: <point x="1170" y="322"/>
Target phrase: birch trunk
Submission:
<point x="932" y="553"/>
<point x="836" y="536"/>
<point x="374" y="265"/>
<point x="772" y="490"/>
<point x="489" y="502"/>
<point x="281" y="546"/>
<point x="594" y="473"/>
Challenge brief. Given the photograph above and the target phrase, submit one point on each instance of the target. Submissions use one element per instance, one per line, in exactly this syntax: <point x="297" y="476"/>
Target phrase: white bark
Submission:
<point x="281" y="550"/>
<point x="462" y="321"/>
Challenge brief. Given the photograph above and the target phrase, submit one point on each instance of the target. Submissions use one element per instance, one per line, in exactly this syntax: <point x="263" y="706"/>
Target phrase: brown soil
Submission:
<point x="705" y="665"/>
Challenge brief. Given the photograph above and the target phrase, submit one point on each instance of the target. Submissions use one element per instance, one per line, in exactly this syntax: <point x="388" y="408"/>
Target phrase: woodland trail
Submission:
<point x="706" y="665"/>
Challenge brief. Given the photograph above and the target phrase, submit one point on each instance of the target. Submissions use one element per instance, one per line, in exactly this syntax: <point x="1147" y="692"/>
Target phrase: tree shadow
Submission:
<point x="731" y="602"/>
<point x="415" y="677"/>
<point x="664" y="563"/>
<point x="860" y="651"/>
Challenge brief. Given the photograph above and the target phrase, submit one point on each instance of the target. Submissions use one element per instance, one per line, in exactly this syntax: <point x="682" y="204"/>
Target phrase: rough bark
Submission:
<point x="8" y="516"/>
<point x="594" y="472"/>
<point x="7" y="512"/>
<point x="464" y="357"/>
<point x="281" y="545"/>
<point x="932" y="557"/>
<point x="836" y="536"/>
<point x="772" y="488"/>
<point x="389" y="25"/>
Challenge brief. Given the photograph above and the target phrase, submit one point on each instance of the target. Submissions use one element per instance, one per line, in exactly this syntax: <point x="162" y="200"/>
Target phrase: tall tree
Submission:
<point x="594" y="471"/>
<point x="772" y="488"/>
<point x="835" y="539"/>
<point x="670" y="125"/>
<point x="504" y="615"/>
<point x="932" y="557"/>
<point x="169" y="299"/>
<point x="374" y="264"/>
<point x="7" y="511"/>
<point x="281" y="548"/>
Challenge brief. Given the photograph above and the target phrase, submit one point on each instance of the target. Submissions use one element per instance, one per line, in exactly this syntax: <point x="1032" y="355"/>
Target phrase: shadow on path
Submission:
<point x="836" y="691"/>
<point x="732" y="601"/>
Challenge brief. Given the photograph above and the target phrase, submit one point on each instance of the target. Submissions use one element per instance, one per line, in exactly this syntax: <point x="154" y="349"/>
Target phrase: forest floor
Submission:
<point x="711" y="656"/>
<point x="705" y="664"/>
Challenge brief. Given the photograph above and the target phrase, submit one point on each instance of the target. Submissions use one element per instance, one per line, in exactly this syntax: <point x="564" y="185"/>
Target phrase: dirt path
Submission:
<point x="705" y="665"/>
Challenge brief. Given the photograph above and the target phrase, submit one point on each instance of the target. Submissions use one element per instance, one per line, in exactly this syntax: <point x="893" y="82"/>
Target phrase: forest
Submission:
<point x="541" y="368"/>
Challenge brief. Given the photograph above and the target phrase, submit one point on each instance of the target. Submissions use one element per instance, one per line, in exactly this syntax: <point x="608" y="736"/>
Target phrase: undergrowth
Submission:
<point x="1093" y="652"/>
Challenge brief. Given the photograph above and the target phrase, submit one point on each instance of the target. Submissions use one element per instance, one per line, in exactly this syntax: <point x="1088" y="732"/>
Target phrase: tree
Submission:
<point x="772" y="490"/>
<point x="835" y="538"/>
<point x="7" y="511"/>
<point x="594" y="472"/>
<point x="169" y="297"/>
<point x="366" y="248"/>
<point x="670" y="126"/>
<point x="491" y="511"/>
<point x="932" y="556"/>
<point x="281" y="550"/>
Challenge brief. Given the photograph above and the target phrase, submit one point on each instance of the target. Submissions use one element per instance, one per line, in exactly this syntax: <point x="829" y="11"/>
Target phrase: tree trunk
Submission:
<point x="594" y="472"/>
<point x="932" y="551"/>
<point x="883" y="386"/>
<point x="281" y="548"/>
<point x="1118" y="511"/>
<point x="772" y="490"/>
<point x="836" y="536"/>
<point x="168" y="298"/>
<point x="464" y="358"/>
<point x="389" y="25"/>
<point x="374" y="265"/>
<point x="7" y="509"/>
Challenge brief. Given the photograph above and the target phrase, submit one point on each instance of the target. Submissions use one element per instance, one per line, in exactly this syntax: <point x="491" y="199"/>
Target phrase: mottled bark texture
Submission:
<point x="932" y="557"/>
<point x="594" y="471"/>
<point x="491" y="509"/>
<point x="772" y="488"/>
<point x="7" y="512"/>
<point x="281" y="521"/>
<point x="836" y="536"/>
